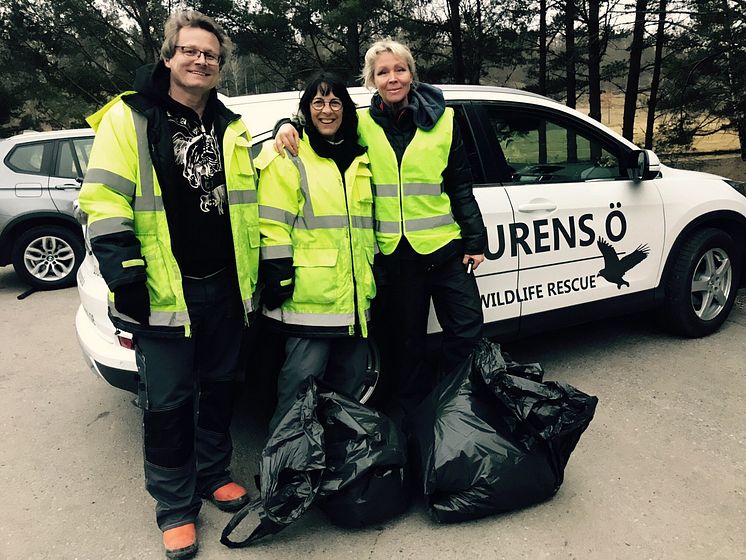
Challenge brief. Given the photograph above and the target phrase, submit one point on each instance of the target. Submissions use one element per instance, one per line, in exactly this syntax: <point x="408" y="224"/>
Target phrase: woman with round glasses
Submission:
<point x="317" y="245"/>
<point x="428" y="225"/>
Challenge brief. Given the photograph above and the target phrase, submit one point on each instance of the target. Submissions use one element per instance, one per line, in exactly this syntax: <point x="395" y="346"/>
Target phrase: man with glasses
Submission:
<point x="170" y="195"/>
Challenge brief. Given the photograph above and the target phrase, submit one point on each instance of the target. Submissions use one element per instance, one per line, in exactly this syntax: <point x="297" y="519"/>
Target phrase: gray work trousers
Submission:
<point x="340" y="362"/>
<point x="186" y="393"/>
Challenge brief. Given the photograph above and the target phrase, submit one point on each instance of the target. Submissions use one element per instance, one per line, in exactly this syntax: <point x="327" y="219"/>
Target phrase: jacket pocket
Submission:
<point x="370" y="286"/>
<point x="363" y="192"/>
<point x="159" y="280"/>
<point x="242" y="157"/>
<point x="254" y="238"/>
<point x="316" y="275"/>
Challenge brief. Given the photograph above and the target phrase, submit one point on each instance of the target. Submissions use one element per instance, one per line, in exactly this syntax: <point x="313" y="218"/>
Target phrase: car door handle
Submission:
<point x="67" y="187"/>
<point x="537" y="207"/>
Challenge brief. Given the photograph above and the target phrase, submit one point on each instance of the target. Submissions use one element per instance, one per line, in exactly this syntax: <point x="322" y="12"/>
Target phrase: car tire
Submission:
<point x="702" y="284"/>
<point x="48" y="257"/>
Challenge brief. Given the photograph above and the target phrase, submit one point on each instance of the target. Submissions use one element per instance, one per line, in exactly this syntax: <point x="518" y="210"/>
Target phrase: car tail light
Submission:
<point x="125" y="342"/>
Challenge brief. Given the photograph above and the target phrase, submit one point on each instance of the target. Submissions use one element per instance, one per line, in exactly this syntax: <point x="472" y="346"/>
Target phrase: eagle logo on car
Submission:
<point x="615" y="268"/>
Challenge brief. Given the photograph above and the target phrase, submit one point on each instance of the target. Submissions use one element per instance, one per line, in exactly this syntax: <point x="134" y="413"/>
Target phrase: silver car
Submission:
<point x="40" y="176"/>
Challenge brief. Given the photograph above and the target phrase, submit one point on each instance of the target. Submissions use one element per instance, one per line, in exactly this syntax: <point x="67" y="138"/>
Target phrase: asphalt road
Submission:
<point x="659" y="474"/>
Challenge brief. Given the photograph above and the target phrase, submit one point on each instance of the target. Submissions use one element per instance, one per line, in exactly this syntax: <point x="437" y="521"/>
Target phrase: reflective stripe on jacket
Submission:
<point x="307" y="212"/>
<point x="410" y="199"/>
<point x="122" y="196"/>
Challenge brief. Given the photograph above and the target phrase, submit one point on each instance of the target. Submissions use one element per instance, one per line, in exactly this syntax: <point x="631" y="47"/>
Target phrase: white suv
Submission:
<point x="40" y="176"/>
<point x="581" y="224"/>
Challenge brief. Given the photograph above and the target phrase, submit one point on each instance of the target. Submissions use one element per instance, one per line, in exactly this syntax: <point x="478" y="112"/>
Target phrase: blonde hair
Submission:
<point x="379" y="47"/>
<point x="192" y="18"/>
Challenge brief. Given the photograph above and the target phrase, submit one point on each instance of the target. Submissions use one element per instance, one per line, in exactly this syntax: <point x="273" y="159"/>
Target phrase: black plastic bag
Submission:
<point x="328" y="445"/>
<point x="290" y="473"/>
<point x="489" y="442"/>
<point x="365" y="457"/>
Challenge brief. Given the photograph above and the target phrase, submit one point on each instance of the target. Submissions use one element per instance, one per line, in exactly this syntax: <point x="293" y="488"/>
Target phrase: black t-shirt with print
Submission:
<point x="197" y="197"/>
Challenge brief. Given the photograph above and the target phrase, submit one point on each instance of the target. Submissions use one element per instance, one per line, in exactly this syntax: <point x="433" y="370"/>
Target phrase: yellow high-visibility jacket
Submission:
<point x="127" y="223"/>
<point x="308" y="212"/>
<point x="410" y="200"/>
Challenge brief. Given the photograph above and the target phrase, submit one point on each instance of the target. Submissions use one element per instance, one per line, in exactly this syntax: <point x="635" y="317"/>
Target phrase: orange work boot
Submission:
<point x="181" y="541"/>
<point x="230" y="497"/>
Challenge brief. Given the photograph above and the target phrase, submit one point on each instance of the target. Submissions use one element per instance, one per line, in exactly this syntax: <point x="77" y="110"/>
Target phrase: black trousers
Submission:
<point x="407" y="284"/>
<point x="186" y="393"/>
<point x="340" y="362"/>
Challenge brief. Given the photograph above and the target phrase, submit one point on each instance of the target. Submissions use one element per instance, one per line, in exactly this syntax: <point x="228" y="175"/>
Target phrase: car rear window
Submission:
<point x="27" y="158"/>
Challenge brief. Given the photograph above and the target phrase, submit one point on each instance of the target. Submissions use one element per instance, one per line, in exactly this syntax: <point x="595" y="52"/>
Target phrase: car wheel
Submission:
<point x="48" y="257"/>
<point x="701" y="288"/>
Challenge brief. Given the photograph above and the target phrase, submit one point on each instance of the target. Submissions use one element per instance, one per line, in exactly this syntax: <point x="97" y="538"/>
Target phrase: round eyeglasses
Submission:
<point x="318" y="104"/>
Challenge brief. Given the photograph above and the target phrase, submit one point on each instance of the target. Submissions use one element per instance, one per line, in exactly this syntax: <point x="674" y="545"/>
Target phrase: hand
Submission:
<point x="133" y="300"/>
<point x="287" y="137"/>
<point x="274" y="297"/>
<point x="277" y="277"/>
<point x="478" y="259"/>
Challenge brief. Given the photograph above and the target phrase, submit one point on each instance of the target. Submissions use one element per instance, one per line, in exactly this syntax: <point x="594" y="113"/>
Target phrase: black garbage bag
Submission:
<point x="488" y="442"/>
<point x="290" y="473"/>
<point x="365" y="456"/>
<point x="327" y="445"/>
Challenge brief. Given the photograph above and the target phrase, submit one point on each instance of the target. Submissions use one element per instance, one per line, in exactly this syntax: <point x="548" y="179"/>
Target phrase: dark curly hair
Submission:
<point x="325" y="83"/>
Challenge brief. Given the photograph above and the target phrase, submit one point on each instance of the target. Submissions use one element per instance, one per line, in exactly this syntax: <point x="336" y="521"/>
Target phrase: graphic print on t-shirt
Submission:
<point x="196" y="153"/>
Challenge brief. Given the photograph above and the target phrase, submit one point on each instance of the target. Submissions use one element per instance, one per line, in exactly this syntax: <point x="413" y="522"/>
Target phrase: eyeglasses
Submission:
<point x="190" y="52"/>
<point x="318" y="104"/>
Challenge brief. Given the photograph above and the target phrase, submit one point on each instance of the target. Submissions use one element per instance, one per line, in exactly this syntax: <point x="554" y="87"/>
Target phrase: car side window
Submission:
<point x="66" y="166"/>
<point x="539" y="148"/>
<point x="27" y="158"/>
<point x="467" y="136"/>
<point x="83" y="152"/>
<point x="72" y="160"/>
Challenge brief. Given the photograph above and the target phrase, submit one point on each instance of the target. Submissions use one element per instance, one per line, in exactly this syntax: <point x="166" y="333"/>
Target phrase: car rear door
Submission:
<point x="69" y="166"/>
<point x="582" y="231"/>
<point x="25" y="178"/>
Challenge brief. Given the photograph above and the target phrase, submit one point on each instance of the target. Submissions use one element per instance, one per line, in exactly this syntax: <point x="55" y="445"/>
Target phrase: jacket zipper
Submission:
<point x="351" y="329"/>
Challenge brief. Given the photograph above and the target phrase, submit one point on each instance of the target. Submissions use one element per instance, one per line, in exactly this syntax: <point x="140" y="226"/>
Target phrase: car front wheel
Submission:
<point x="48" y="257"/>
<point x="701" y="287"/>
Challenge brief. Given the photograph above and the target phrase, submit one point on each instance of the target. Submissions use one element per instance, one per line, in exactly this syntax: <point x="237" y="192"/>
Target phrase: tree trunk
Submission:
<point x="735" y="79"/>
<point x="150" y="45"/>
<point x="353" y="48"/>
<point x="633" y="78"/>
<point x="457" y="44"/>
<point x="660" y="38"/>
<point x="571" y="90"/>
<point x="542" y="75"/>
<point x="478" y="56"/>
<point x="542" y="47"/>
<point x="594" y="61"/>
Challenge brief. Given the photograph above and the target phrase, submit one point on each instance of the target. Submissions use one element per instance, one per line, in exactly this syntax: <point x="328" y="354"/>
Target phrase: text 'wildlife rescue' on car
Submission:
<point x="541" y="236"/>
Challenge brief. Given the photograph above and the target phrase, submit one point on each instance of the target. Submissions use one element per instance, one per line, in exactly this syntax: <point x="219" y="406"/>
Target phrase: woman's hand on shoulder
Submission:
<point x="287" y="137"/>
<point x="478" y="259"/>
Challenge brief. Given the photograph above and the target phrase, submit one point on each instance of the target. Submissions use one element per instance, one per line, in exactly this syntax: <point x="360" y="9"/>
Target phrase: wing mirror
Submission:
<point x="643" y="165"/>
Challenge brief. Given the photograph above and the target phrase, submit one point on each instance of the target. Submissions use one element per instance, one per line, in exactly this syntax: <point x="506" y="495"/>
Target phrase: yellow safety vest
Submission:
<point x="410" y="200"/>
<point x="308" y="213"/>
<point x="121" y="193"/>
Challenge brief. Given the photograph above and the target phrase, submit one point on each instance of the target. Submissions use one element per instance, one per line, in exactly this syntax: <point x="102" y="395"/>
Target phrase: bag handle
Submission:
<point x="261" y="530"/>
